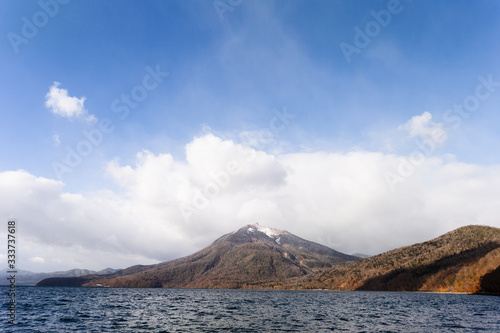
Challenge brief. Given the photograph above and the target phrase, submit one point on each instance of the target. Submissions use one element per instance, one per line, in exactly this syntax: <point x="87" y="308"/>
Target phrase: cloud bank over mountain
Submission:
<point x="161" y="207"/>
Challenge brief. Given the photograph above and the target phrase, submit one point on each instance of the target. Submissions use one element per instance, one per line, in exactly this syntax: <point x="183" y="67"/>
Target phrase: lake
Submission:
<point x="53" y="309"/>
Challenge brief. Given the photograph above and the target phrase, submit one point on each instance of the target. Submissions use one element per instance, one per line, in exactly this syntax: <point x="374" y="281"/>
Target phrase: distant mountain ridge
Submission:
<point x="27" y="278"/>
<point x="244" y="258"/>
<point x="361" y="255"/>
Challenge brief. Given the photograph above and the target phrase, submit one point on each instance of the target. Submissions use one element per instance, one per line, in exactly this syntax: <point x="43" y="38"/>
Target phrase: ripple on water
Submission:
<point x="185" y="310"/>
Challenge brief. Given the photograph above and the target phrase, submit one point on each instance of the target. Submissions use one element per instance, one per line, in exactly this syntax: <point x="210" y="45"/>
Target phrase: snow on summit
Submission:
<point x="271" y="232"/>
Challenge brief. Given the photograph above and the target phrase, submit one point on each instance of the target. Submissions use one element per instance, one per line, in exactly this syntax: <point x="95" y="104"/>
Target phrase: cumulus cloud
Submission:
<point x="60" y="103"/>
<point x="422" y="127"/>
<point x="165" y="208"/>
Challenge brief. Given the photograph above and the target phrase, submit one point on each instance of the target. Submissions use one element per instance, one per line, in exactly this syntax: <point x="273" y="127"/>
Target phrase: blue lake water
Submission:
<point x="199" y="310"/>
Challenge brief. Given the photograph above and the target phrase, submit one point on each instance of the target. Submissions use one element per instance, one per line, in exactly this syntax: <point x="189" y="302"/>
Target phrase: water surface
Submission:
<point x="51" y="309"/>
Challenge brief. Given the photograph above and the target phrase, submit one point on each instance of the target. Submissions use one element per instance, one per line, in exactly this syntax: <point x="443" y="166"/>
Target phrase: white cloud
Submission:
<point x="422" y="126"/>
<point x="37" y="260"/>
<point x="341" y="200"/>
<point x="63" y="105"/>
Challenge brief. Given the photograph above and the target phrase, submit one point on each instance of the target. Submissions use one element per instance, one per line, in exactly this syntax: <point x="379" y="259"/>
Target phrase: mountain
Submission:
<point x="27" y="278"/>
<point x="464" y="260"/>
<point x="246" y="258"/>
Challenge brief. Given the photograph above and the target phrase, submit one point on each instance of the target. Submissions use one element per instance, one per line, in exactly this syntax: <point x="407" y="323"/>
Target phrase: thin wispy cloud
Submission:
<point x="37" y="260"/>
<point x="56" y="139"/>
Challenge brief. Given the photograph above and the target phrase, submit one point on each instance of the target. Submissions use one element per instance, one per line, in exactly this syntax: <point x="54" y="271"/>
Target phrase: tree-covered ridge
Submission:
<point x="454" y="262"/>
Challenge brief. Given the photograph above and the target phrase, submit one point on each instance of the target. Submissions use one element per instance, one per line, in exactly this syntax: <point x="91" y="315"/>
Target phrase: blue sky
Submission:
<point x="231" y="70"/>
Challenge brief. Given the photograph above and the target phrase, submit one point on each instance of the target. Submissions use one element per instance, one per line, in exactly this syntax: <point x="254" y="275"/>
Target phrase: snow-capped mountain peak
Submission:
<point x="271" y="232"/>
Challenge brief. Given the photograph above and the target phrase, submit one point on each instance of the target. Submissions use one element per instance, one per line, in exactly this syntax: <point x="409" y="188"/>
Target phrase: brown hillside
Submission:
<point x="460" y="261"/>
